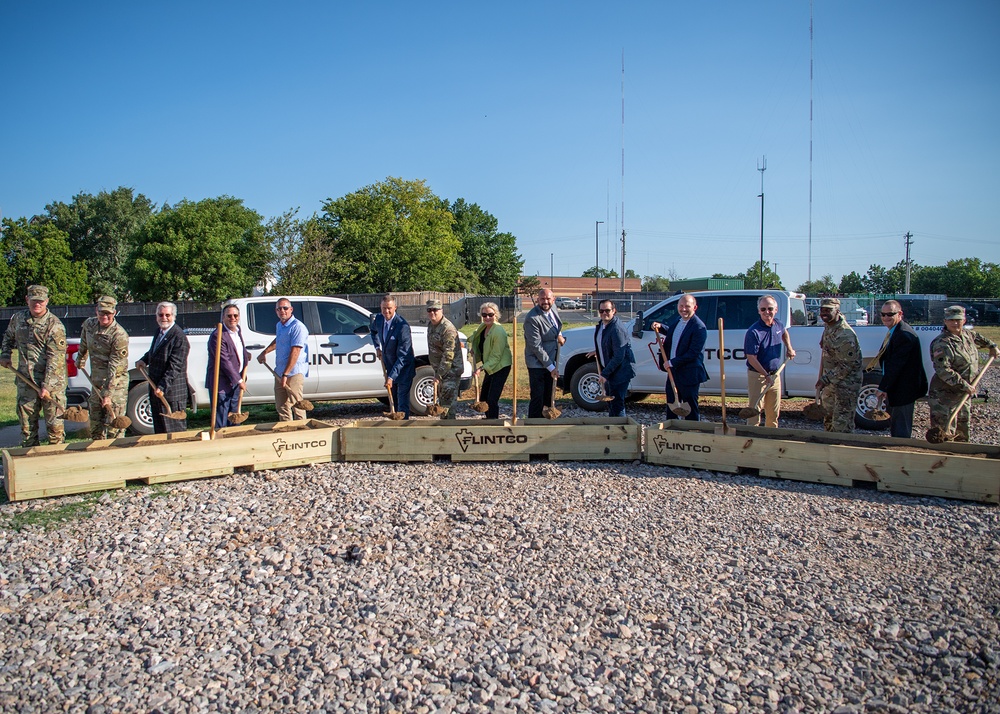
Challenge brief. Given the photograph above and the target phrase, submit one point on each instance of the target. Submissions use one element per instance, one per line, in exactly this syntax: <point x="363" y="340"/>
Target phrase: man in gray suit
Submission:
<point x="542" y="337"/>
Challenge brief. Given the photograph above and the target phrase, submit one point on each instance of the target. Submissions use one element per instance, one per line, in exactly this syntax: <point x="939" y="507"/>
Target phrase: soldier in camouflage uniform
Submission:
<point x="840" y="370"/>
<point x="40" y="339"/>
<point x="106" y="342"/>
<point x="444" y="350"/>
<point x="955" y="355"/>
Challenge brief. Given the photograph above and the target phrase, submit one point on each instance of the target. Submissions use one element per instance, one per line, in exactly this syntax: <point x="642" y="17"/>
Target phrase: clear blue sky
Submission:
<point x="517" y="106"/>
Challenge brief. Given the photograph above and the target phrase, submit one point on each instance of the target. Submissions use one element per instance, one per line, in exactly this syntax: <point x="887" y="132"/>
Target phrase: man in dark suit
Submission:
<point x="233" y="359"/>
<point x="167" y="360"/>
<point x="684" y="346"/>
<point x="614" y="355"/>
<point x="903" y="378"/>
<point x="394" y="346"/>
<point x="542" y="339"/>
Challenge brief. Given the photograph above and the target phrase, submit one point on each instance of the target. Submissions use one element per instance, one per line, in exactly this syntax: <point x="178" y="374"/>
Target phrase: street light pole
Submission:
<point x="597" y="257"/>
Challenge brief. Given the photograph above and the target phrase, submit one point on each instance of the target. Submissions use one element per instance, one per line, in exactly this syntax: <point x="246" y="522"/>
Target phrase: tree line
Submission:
<point x="961" y="277"/>
<point x="395" y="235"/>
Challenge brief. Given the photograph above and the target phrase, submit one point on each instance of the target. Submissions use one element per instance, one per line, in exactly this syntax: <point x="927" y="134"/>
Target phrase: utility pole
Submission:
<point x="762" y="167"/>
<point x="552" y="271"/>
<point x="597" y="257"/>
<point x="908" y="242"/>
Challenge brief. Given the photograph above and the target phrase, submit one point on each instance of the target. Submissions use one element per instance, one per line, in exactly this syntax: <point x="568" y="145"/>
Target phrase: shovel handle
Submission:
<point x="163" y="399"/>
<point x="27" y="381"/>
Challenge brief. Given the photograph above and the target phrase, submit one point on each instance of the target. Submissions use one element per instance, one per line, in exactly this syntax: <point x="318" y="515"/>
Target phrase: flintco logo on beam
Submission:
<point x="281" y="446"/>
<point x="467" y="438"/>
<point x="662" y="444"/>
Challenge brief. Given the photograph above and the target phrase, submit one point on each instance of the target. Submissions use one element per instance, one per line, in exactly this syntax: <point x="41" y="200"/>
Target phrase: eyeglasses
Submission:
<point x="282" y="308"/>
<point x="767" y="309"/>
<point x="889" y="314"/>
<point x="433" y="309"/>
<point x="605" y="312"/>
<point x="232" y="315"/>
<point x="487" y="314"/>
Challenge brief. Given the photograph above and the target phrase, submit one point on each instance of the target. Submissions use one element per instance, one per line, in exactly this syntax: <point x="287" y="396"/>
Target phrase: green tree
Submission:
<point x="629" y="273"/>
<point x="37" y="252"/>
<point x="655" y="284"/>
<point x="880" y="280"/>
<point x="102" y="231"/>
<point x="851" y="283"/>
<point x="304" y="267"/>
<point x="528" y="285"/>
<point x="752" y="277"/>
<point x="490" y="257"/>
<point x="391" y="236"/>
<point x="209" y="250"/>
<point x="823" y="286"/>
<point x="970" y="277"/>
<point x="598" y="272"/>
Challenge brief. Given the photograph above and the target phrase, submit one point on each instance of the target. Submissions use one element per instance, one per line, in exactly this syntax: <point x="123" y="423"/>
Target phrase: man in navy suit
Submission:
<point x="167" y="359"/>
<point x="684" y="346"/>
<point x="233" y="359"/>
<point x="614" y="355"/>
<point x="903" y="378"/>
<point x="394" y="346"/>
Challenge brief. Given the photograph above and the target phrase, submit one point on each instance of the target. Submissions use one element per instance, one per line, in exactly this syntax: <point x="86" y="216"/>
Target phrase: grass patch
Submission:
<point x="49" y="518"/>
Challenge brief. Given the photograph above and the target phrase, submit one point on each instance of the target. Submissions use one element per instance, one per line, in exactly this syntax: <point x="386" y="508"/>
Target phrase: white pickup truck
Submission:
<point x="738" y="309"/>
<point x="342" y="359"/>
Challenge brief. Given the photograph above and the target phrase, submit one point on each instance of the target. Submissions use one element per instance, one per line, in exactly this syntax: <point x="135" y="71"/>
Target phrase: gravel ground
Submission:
<point x="505" y="587"/>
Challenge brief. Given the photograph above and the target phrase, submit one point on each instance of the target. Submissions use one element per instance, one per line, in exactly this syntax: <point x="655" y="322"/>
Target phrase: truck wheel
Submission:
<point x="139" y="410"/>
<point x="867" y="400"/>
<point x="422" y="390"/>
<point x="586" y="388"/>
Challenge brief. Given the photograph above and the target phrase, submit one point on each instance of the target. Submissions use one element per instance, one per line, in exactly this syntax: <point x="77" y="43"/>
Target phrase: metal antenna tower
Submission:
<point x="623" y="170"/>
<point x="762" y="167"/>
<point x="810" y="262"/>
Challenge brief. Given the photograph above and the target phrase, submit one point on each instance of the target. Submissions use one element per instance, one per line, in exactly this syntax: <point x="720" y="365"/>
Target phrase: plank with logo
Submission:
<point x="583" y="439"/>
<point x="84" y="466"/>
<point x="963" y="471"/>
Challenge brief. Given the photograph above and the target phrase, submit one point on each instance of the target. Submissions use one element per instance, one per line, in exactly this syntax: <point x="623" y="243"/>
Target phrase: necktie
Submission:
<point x="881" y="350"/>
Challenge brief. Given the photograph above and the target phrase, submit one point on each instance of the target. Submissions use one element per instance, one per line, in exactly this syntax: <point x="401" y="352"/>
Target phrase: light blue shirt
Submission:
<point x="291" y="334"/>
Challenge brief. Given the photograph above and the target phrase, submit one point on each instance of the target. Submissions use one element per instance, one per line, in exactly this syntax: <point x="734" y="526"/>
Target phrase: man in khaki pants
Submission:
<point x="762" y="344"/>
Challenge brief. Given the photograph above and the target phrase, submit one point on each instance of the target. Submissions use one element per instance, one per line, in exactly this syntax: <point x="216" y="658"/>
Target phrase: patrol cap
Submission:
<point x="434" y="305"/>
<point x="106" y="303"/>
<point x="38" y="292"/>
<point x="830" y="302"/>
<point x="955" y="312"/>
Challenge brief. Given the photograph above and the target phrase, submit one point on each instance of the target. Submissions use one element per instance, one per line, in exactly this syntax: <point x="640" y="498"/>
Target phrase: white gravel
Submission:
<point x="503" y="587"/>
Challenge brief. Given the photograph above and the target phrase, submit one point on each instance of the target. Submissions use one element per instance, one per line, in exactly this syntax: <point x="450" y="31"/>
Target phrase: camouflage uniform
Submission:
<point x="841" y="378"/>
<point x="108" y="351"/>
<point x="41" y="344"/>
<point x="445" y="352"/>
<point x="956" y="364"/>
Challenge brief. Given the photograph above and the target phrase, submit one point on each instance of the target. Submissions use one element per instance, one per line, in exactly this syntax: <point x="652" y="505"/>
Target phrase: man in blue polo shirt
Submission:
<point x="291" y="362"/>
<point x="762" y="345"/>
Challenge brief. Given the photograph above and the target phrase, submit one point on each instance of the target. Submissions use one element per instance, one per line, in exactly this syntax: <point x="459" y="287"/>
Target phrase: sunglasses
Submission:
<point x="889" y="314"/>
<point x="605" y="311"/>
<point x="487" y="314"/>
<point x="283" y="308"/>
<point x="766" y="309"/>
<point x="433" y="309"/>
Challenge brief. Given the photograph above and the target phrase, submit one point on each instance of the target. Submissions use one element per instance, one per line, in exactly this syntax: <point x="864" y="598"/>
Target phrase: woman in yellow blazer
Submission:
<point x="490" y="354"/>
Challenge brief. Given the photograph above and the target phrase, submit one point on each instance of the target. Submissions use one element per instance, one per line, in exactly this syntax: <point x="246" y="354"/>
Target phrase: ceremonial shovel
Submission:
<point x="513" y="336"/>
<point x="392" y="413"/>
<point x="814" y="411"/>
<point x="239" y="416"/>
<point x="37" y="389"/>
<point x="681" y="409"/>
<point x="80" y="414"/>
<point x="754" y="411"/>
<point x="478" y="406"/>
<point x="304" y="405"/>
<point x="551" y="411"/>
<point x="604" y="393"/>
<point x="935" y="434"/>
<point x="168" y="414"/>
<point x="435" y="408"/>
